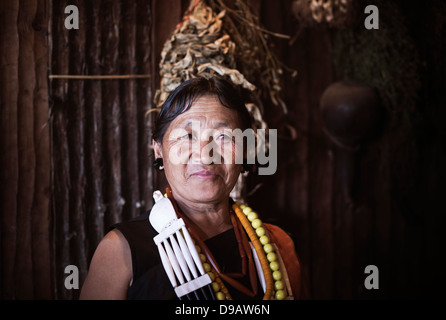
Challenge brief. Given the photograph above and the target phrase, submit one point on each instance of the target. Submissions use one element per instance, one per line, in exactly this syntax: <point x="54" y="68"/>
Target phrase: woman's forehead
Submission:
<point x="207" y="110"/>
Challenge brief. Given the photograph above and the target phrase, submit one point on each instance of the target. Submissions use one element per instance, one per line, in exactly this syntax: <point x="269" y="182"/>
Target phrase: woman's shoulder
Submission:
<point x="111" y="260"/>
<point x="125" y="252"/>
<point x="136" y="230"/>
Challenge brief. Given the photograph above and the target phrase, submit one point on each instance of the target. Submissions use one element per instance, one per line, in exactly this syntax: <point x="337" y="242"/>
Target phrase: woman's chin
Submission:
<point x="206" y="189"/>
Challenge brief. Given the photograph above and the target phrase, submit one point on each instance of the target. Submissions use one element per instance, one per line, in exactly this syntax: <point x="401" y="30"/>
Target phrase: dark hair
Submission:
<point x="181" y="99"/>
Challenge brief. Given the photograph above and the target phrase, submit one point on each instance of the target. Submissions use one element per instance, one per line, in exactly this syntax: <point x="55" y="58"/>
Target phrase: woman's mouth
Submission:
<point x="205" y="174"/>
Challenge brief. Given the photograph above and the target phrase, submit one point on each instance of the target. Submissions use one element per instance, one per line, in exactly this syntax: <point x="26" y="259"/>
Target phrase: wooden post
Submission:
<point x="144" y="100"/>
<point x="40" y="215"/>
<point x="94" y="127"/>
<point x="112" y="114"/>
<point x="9" y="47"/>
<point x="130" y="177"/>
<point x="23" y="260"/>
<point x="60" y="151"/>
<point x="76" y="143"/>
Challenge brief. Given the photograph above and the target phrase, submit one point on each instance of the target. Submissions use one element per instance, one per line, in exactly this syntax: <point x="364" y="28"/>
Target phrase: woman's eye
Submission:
<point x="187" y="136"/>
<point x="225" y="137"/>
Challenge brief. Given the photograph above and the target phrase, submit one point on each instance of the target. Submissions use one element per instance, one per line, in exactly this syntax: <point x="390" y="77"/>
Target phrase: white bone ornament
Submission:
<point x="177" y="251"/>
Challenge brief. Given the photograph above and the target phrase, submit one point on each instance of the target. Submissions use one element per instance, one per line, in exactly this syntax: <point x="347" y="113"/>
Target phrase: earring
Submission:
<point x="158" y="164"/>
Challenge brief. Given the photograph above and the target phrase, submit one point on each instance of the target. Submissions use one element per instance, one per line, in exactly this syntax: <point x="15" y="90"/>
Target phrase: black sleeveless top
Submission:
<point x="150" y="281"/>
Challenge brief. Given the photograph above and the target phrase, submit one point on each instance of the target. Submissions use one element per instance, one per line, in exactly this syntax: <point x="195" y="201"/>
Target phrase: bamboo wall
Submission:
<point x="75" y="154"/>
<point x="24" y="144"/>
<point x="101" y="155"/>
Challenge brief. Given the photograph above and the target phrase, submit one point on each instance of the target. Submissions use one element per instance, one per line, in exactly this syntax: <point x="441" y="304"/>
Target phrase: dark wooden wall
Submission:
<point x="396" y="219"/>
<point x="75" y="154"/>
<point x="398" y="213"/>
<point x="100" y="130"/>
<point x="25" y="151"/>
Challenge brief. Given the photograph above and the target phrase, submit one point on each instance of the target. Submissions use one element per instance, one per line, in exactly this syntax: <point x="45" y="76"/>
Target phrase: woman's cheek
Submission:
<point x="179" y="152"/>
<point x="233" y="153"/>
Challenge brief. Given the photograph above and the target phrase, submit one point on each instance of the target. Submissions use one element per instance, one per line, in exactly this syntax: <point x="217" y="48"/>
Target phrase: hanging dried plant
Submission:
<point x="386" y="58"/>
<point x="215" y="39"/>
<point x="198" y="47"/>
<point x="254" y="56"/>
<point x="335" y="13"/>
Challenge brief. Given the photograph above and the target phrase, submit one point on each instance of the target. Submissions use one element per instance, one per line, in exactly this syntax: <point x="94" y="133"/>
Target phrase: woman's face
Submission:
<point x="198" y="152"/>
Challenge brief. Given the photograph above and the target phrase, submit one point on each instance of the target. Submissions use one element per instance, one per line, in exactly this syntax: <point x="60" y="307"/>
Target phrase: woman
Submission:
<point x="193" y="145"/>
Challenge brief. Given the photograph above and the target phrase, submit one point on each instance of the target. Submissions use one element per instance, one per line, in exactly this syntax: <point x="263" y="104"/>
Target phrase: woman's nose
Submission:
<point x="206" y="152"/>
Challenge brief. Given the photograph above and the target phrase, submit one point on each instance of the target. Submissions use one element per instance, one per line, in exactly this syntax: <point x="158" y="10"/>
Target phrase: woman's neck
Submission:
<point x="209" y="219"/>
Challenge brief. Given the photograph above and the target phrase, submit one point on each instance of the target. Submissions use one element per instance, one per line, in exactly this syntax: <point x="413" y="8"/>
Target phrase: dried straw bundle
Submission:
<point x="228" y="41"/>
<point x="198" y="47"/>
<point x="254" y="56"/>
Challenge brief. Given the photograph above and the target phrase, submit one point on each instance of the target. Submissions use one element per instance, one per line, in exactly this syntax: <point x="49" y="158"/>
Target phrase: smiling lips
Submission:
<point x="205" y="174"/>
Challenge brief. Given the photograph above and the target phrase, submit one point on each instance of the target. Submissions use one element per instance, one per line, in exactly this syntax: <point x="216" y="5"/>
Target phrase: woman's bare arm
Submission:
<point x="110" y="272"/>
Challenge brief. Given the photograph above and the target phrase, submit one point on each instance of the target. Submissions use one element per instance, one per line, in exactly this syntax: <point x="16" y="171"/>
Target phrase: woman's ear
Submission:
<point x="157" y="149"/>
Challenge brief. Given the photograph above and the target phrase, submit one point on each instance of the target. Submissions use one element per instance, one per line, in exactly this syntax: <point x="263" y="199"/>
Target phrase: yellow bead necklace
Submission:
<point x="275" y="287"/>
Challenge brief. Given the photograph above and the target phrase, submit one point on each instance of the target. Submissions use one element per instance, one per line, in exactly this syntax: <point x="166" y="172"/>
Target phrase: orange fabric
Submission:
<point x="288" y="253"/>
